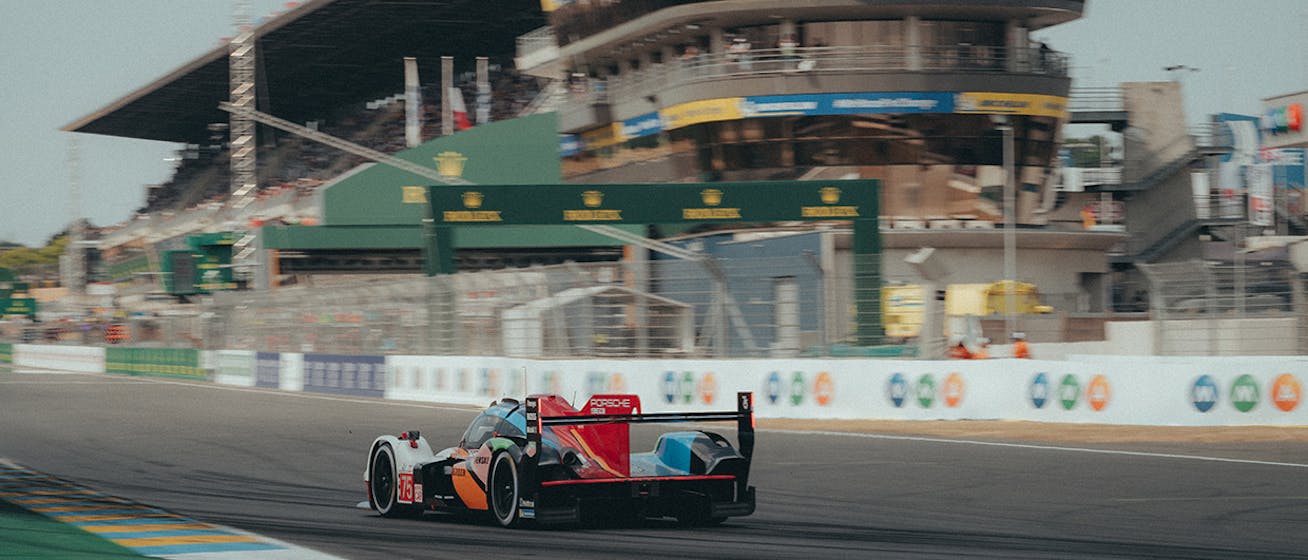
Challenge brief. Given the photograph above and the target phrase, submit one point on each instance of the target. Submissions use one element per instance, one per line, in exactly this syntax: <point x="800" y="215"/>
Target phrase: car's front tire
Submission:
<point x="502" y="492"/>
<point x="383" y="484"/>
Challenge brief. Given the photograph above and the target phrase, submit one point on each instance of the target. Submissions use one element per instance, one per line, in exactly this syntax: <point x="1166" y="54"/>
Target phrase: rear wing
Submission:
<point x="743" y="416"/>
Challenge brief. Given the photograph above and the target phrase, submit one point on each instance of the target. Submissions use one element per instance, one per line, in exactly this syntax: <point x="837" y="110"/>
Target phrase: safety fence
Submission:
<point x="1240" y="308"/>
<point x="758" y="307"/>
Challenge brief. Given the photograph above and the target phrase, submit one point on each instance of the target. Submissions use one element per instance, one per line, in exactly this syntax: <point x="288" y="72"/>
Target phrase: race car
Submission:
<point x="544" y="461"/>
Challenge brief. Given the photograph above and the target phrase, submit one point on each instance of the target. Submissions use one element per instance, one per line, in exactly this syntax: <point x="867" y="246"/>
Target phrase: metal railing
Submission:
<point x="1241" y="308"/>
<point x="820" y="60"/>
<point x="661" y="308"/>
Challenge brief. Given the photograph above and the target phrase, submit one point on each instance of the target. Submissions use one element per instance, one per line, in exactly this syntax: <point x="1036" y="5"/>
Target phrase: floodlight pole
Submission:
<point x="1010" y="233"/>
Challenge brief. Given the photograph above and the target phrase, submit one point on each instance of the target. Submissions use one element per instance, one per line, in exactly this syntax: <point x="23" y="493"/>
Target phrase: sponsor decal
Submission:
<point x="267" y="369"/>
<point x="472" y="201"/>
<point x="592" y="199"/>
<point x="829" y="196"/>
<point x="773" y="387"/>
<point x="1244" y="393"/>
<point x="708" y="388"/>
<point x="553" y="383"/>
<point x="1069" y="392"/>
<point x="710" y="197"/>
<point x="1286" y="392"/>
<point x="569" y="145"/>
<point x="345" y="374"/>
<point x="687" y="388"/>
<point x="926" y="390"/>
<point x="644" y="125"/>
<point x="442" y="379"/>
<point x="1099" y="393"/>
<point x="413" y="195"/>
<point x="1039" y="390"/>
<point x="954" y="390"/>
<point x="696" y="112"/>
<point x="797" y="389"/>
<point x="405" y="489"/>
<point x="1203" y="393"/>
<point x="596" y="381"/>
<point x="490" y="382"/>
<point x="824" y="388"/>
<point x="983" y="102"/>
<point x="671" y="388"/>
<point x="617" y="383"/>
<point x="897" y="390"/>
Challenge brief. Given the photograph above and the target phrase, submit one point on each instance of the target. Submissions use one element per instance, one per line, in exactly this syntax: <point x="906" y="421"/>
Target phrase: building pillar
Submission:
<point x="913" y="42"/>
<point x="717" y="40"/>
<point x="447" y="83"/>
<point x="1017" y="43"/>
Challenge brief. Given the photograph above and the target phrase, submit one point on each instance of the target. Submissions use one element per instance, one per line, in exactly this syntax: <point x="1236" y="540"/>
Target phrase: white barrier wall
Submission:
<point x="233" y="367"/>
<point x="85" y="359"/>
<point x="1143" y="390"/>
<point x="1090" y="389"/>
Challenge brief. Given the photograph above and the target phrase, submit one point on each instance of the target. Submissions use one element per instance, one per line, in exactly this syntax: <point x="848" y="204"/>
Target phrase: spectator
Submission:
<point x="1020" y="348"/>
<point x="738" y="53"/>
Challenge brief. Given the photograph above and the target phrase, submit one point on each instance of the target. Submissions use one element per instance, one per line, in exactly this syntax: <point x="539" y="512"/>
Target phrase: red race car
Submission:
<point x="543" y="460"/>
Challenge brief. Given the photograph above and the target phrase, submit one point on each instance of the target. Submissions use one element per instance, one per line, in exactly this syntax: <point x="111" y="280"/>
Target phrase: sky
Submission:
<point x="61" y="60"/>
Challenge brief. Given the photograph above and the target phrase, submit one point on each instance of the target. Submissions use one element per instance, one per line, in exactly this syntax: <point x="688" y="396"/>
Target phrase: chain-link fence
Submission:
<point x="760" y="307"/>
<point x="1208" y="309"/>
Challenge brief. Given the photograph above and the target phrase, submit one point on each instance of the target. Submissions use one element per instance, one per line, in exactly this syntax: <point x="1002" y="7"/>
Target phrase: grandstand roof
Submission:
<point x="319" y="57"/>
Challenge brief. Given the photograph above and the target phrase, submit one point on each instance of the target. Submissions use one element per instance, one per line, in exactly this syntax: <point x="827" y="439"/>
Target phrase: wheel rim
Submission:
<point x="383" y="481"/>
<point x="504" y="488"/>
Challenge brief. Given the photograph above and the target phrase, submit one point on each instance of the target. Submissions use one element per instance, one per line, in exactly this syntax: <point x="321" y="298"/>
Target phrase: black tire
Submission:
<point x="383" y="486"/>
<point x="502" y="490"/>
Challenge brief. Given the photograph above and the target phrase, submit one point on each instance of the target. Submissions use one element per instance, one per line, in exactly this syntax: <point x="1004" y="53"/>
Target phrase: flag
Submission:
<point x="460" y="110"/>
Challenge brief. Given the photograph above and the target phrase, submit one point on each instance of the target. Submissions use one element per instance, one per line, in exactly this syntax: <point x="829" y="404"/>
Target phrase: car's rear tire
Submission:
<point x="383" y="484"/>
<point x="502" y="490"/>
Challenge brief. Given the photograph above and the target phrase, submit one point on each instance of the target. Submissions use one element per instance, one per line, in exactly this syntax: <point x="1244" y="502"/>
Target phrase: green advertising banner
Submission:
<point x="6" y="353"/>
<point x="758" y="201"/>
<point x="155" y="362"/>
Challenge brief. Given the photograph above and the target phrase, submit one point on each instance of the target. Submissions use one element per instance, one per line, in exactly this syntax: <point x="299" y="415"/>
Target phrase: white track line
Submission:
<point x="1039" y="447"/>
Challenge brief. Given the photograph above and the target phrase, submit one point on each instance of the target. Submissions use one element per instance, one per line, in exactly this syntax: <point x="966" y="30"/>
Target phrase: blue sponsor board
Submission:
<point x="644" y="125"/>
<point x="569" y="145"/>
<point x="268" y="369"/>
<point x="363" y="376"/>
<point x="849" y="103"/>
<point x="1039" y="390"/>
<point x="897" y="390"/>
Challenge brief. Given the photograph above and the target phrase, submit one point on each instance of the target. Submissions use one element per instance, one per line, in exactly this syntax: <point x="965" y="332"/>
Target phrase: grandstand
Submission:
<point x="334" y="65"/>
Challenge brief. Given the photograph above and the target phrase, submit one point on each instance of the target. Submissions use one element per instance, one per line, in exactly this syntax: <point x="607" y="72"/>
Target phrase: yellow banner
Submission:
<point x="696" y="112"/>
<point x="603" y="136"/>
<point x="991" y="103"/>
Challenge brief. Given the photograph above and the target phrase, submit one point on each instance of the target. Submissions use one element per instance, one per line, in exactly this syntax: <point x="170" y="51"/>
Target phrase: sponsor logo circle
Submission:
<point x="897" y="390"/>
<point x="1039" y="390"/>
<point x="1244" y="393"/>
<point x="687" y="388"/>
<point x="670" y="387"/>
<point x="797" y="389"/>
<point x="954" y="390"/>
<point x="617" y="383"/>
<point x="1286" y="392"/>
<point x="773" y="388"/>
<point x="1099" y="393"/>
<point x="926" y="390"/>
<point x="1203" y="393"/>
<point x="1069" y="392"/>
<point x="823" y="389"/>
<point x="708" y="388"/>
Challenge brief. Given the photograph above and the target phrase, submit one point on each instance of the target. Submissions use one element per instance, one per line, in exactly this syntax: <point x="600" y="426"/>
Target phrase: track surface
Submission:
<point x="290" y="466"/>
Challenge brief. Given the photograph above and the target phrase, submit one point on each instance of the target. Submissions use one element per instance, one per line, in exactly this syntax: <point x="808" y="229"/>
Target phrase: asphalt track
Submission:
<point x="289" y="466"/>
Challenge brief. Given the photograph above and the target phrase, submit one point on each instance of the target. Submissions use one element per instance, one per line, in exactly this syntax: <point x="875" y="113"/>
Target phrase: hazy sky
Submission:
<point x="63" y="59"/>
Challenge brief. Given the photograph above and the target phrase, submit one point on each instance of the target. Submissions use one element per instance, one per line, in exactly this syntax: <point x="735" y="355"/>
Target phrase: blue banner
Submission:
<point x="337" y="374"/>
<point x="268" y="369"/>
<point x="569" y="145"/>
<point x="644" y="125"/>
